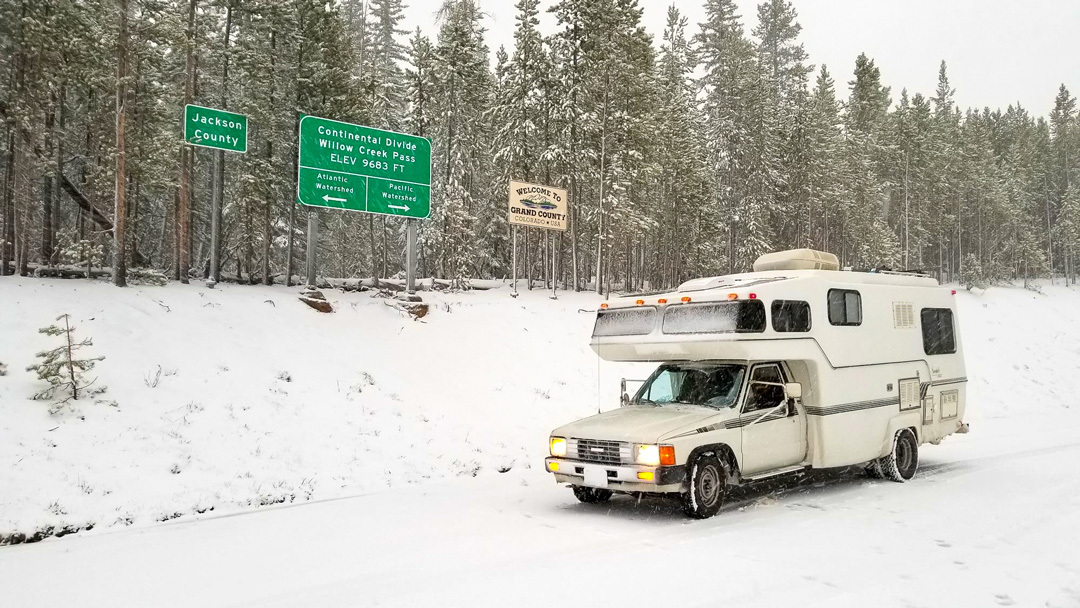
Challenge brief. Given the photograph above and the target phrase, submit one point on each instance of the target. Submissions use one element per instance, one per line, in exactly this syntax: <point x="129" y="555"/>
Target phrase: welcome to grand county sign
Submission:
<point x="537" y="206"/>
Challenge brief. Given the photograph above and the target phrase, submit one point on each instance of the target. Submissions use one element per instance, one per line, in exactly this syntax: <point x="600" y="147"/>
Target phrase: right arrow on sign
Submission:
<point x="399" y="207"/>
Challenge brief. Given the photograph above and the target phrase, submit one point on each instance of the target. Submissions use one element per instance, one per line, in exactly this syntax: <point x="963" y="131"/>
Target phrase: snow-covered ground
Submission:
<point x="242" y="396"/>
<point x="415" y="448"/>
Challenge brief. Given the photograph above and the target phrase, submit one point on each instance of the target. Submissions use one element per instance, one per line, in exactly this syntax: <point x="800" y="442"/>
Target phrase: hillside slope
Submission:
<point x="238" y="397"/>
<point x="243" y="396"/>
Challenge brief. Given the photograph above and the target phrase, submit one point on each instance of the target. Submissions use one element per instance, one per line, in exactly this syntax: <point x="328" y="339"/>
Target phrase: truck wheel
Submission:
<point x="708" y="484"/>
<point x="903" y="460"/>
<point x="591" y="495"/>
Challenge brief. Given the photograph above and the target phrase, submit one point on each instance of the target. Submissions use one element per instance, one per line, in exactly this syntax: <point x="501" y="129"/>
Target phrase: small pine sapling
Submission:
<point x="3" y="369"/>
<point x="63" y="368"/>
<point x="81" y="252"/>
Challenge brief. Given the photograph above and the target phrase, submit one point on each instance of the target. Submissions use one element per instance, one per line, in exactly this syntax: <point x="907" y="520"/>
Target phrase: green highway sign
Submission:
<point x="356" y="168"/>
<point x="212" y="128"/>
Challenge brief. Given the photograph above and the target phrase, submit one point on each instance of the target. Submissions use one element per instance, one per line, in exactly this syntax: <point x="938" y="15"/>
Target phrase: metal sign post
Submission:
<point x="410" y="256"/>
<point x="513" y="262"/>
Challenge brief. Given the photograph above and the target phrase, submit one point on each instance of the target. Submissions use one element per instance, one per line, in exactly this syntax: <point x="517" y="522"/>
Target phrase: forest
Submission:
<point x="686" y="156"/>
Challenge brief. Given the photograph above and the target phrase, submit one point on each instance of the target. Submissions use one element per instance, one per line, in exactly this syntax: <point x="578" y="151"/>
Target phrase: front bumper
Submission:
<point x="620" y="478"/>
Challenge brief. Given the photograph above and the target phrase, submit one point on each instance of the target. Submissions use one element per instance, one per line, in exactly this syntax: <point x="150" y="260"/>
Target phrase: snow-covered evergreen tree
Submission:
<point x="64" y="367"/>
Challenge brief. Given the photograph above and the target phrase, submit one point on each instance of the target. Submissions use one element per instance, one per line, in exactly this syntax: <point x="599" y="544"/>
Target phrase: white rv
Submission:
<point x="795" y="365"/>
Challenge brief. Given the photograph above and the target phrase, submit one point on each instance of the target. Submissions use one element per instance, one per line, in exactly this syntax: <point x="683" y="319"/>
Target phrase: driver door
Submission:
<point x="778" y="440"/>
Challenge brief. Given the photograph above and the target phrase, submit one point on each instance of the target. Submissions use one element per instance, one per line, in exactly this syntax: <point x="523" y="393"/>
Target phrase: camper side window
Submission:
<point x="766" y="388"/>
<point x="938" y="336"/>
<point x="790" y="315"/>
<point x="845" y="307"/>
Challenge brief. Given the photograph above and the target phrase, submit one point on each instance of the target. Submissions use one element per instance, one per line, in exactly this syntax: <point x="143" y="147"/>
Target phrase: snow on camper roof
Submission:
<point x="731" y="281"/>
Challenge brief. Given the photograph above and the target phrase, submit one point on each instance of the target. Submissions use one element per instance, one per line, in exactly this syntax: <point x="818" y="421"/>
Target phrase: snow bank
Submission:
<point x="242" y="396"/>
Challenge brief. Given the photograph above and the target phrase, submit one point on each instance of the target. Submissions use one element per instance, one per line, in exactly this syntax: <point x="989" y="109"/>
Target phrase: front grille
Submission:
<point x="599" y="450"/>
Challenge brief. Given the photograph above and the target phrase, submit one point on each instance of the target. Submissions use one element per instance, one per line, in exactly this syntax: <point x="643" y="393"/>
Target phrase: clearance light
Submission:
<point x="954" y="292"/>
<point x="604" y="305"/>
<point x="558" y="446"/>
<point x="667" y="455"/>
<point x="733" y="296"/>
<point x="662" y="301"/>
<point x="553" y="466"/>
<point x="639" y="302"/>
<point x="686" y="298"/>
<point x="753" y="296"/>
<point x="645" y="475"/>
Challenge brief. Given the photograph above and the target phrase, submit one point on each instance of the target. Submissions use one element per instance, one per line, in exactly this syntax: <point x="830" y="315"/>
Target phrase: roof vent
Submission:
<point x="797" y="259"/>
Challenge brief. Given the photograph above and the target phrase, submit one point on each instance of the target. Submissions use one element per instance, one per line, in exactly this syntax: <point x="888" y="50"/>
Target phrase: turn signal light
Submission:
<point x="553" y="466"/>
<point x="645" y="475"/>
<point x="667" y="455"/>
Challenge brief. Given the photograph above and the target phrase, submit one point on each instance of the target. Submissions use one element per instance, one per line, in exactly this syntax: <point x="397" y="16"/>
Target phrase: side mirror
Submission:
<point x="624" y="400"/>
<point x="793" y="390"/>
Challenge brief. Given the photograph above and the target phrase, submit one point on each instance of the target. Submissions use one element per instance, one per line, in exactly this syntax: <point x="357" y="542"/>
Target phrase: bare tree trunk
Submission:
<point x="7" y="244"/>
<point x="183" y="237"/>
<point x="600" y="201"/>
<point x="47" y="193"/>
<point x="120" y="221"/>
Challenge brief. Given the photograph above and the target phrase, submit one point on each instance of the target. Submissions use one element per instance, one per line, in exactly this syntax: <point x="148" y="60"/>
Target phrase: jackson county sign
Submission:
<point x="357" y="168"/>
<point x="537" y="206"/>
<point x="212" y="128"/>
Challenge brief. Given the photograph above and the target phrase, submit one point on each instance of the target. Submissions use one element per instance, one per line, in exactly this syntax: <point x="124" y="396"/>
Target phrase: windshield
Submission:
<point x="711" y="384"/>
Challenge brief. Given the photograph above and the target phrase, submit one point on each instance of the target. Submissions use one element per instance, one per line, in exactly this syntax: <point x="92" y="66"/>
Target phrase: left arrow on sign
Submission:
<point x="328" y="198"/>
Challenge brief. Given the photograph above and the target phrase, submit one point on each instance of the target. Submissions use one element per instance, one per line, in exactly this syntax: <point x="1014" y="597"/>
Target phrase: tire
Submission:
<point x="591" y="495"/>
<point x="902" y="462"/>
<point x="708" y="486"/>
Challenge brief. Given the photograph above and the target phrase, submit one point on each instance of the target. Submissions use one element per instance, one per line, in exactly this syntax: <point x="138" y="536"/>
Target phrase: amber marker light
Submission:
<point x="686" y="298"/>
<point x="733" y="296"/>
<point x="604" y="305"/>
<point x="667" y="455"/>
<point x="553" y="466"/>
<point x="639" y="302"/>
<point x="662" y="301"/>
<point x="645" y="475"/>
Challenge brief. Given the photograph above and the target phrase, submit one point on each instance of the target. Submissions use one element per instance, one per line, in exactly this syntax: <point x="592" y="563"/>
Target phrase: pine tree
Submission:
<point x="742" y="133"/>
<point x="63" y="367"/>
<point x="864" y="239"/>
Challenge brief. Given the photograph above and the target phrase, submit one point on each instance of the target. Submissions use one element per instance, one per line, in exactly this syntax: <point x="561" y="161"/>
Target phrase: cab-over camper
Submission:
<point x="795" y="365"/>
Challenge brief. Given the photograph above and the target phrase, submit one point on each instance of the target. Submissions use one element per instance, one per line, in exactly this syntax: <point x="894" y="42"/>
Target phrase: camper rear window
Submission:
<point x="624" y="322"/>
<point x="790" y="315"/>
<point x="938" y="337"/>
<point x="715" y="318"/>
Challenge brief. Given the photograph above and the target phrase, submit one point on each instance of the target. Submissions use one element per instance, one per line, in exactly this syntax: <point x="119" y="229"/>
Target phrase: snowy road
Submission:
<point x="993" y="518"/>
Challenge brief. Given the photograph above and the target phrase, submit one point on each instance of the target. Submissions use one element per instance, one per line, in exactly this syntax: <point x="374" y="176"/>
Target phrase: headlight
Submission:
<point x="648" y="455"/>
<point x="558" y="446"/>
